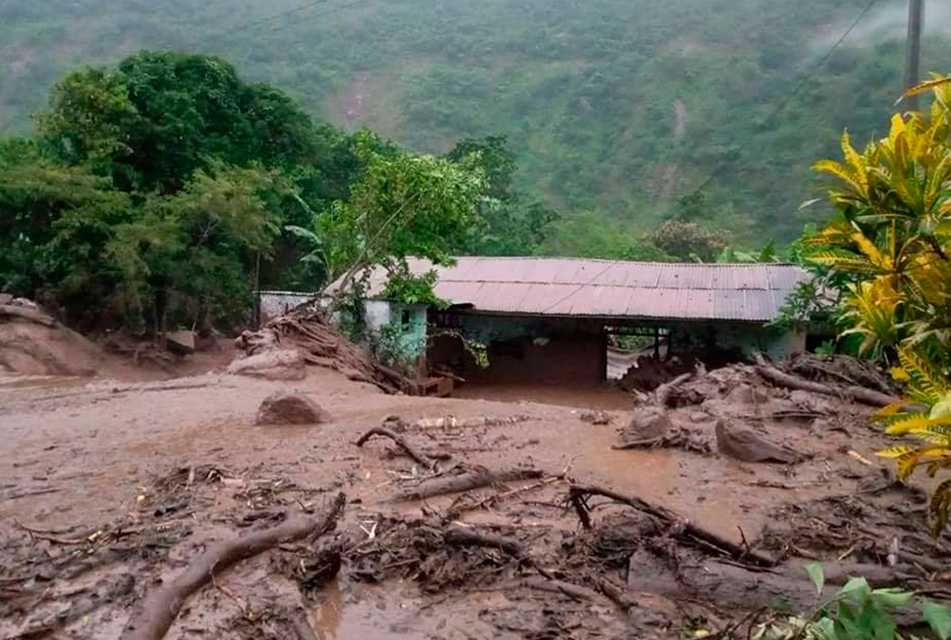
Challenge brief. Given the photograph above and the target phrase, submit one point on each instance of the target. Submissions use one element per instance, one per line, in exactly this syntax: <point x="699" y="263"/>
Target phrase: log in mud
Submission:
<point x="859" y="394"/>
<point x="151" y="619"/>
<point x="465" y="482"/>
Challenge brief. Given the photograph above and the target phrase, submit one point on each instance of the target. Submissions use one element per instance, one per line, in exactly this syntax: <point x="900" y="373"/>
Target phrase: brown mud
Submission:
<point x="108" y="485"/>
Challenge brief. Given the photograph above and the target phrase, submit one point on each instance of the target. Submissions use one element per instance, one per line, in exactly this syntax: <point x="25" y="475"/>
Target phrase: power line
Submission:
<point x="804" y="78"/>
<point x="580" y="287"/>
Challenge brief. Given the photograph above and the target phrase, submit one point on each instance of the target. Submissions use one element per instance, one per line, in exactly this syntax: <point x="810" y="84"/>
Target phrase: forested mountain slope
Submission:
<point x="617" y="107"/>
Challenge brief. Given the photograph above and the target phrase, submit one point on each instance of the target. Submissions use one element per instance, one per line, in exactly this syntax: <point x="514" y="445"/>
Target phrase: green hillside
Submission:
<point x="616" y="107"/>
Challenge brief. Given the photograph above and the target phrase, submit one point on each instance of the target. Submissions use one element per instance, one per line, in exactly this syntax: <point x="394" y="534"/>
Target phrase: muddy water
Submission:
<point x="703" y="490"/>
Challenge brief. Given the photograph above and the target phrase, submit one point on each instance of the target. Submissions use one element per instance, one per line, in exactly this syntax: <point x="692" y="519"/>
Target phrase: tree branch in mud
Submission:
<point x="859" y="394"/>
<point x="411" y="451"/>
<point x="578" y="493"/>
<point x="154" y="615"/>
<point x="465" y="482"/>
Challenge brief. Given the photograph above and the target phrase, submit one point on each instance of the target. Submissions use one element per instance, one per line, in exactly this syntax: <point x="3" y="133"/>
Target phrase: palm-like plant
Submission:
<point x="891" y="242"/>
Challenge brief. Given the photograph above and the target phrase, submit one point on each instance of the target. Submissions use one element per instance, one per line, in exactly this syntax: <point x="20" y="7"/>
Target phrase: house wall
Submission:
<point x="409" y="319"/>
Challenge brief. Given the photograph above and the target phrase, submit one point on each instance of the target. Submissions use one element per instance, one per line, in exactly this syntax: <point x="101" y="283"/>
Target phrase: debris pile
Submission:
<point x="303" y="335"/>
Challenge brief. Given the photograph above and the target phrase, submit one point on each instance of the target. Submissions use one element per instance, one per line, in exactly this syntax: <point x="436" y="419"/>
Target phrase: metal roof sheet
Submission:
<point x="612" y="289"/>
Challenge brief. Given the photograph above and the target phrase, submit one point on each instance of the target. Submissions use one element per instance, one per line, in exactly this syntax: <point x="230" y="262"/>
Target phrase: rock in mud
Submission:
<point x="700" y="416"/>
<point x="601" y="417"/>
<point x="747" y="394"/>
<point x="290" y="408"/>
<point x="180" y="342"/>
<point x="749" y="446"/>
<point x="647" y="423"/>
<point x="28" y="348"/>
<point x="277" y="364"/>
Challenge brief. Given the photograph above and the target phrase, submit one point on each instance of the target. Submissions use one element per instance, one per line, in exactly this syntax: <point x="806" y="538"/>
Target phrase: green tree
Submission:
<point x="184" y="260"/>
<point x="511" y="227"/>
<point x="160" y="116"/>
<point x="54" y="224"/>
<point x="404" y="206"/>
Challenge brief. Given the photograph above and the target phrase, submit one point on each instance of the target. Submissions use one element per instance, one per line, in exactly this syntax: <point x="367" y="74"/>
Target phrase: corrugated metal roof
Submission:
<point x="611" y="289"/>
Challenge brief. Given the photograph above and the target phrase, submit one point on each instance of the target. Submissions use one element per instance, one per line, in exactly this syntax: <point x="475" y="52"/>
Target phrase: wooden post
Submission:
<point x="916" y="10"/>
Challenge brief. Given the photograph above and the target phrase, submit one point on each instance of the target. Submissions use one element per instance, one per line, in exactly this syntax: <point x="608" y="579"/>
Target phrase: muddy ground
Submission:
<point x="108" y="484"/>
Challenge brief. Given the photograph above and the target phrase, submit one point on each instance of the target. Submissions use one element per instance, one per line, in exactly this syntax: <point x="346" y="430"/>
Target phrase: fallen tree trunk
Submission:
<point x="859" y="394"/>
<point x="411" y="451"/>
<point x="465" y="482"/>
<point x="25" y="313"/>
<point x="153" y="616"/>
<point x="577" y="494"/>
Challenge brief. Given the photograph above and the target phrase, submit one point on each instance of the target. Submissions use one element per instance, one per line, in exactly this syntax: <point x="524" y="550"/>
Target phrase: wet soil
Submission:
<point x="85" y="455"/>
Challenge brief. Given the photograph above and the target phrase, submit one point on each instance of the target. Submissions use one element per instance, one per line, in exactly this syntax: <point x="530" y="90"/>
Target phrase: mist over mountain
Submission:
<point x="617" y="108"/>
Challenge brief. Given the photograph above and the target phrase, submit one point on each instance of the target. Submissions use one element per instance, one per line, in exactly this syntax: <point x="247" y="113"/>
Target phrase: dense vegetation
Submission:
<point x="160" y="192"/>
<point x="614" y="110"/>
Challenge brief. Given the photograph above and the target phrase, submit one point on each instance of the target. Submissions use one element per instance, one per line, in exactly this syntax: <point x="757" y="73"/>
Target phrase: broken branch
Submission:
<point x="577" y="493"/>
<point x="859" y="394"/>
<point x="411" y="451"/>
<point x="465" y="482"/>
<point x="154" y="615"/>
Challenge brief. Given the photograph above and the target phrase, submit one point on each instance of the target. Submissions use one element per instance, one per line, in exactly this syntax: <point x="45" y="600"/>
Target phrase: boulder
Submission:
<point x="277" y="364"/>
<point x="180" y="342"/>
<point x="749" y="446"/>
<point x="647" y="423"/>
<point x="290" y="408"/>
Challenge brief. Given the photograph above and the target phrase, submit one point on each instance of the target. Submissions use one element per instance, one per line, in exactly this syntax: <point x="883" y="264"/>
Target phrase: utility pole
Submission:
<point x="916" y="10"/>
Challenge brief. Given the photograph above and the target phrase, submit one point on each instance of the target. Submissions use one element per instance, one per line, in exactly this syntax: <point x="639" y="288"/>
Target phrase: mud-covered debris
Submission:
<point x="277" y="364"/>
<point x="677" y="438"/>
<point x="749" y="446"/>
<point x="290" y="408"/>
<point x="646" y="423"/>
<point x="747" y="394"/>
<point x="599" y="417"/>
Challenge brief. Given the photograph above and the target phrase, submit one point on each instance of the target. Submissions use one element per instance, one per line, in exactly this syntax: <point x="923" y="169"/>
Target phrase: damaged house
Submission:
<point x="554" y="319"/>
<point x="559" y="320"/>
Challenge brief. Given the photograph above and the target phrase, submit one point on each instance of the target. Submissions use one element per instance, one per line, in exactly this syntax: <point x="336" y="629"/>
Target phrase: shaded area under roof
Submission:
<point x="612" y="289"/>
